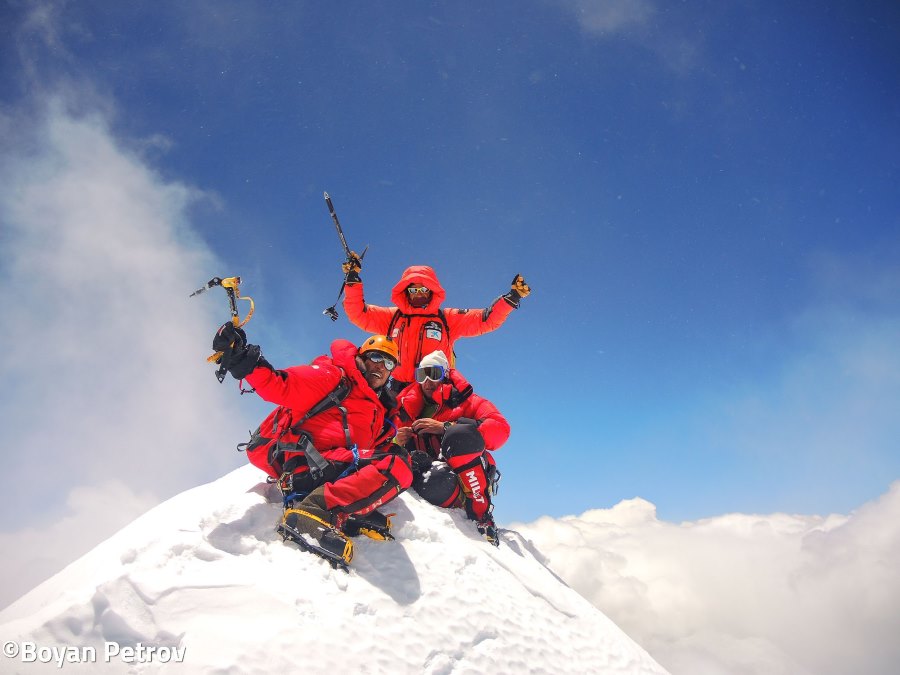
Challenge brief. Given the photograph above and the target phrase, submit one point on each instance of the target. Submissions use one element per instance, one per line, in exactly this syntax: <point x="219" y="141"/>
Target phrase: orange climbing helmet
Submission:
<point x="380" y="343"/>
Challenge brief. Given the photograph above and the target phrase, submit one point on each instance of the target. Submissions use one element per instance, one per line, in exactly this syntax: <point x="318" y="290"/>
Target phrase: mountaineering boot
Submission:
<point x="310" y="525"/>
<point x="374" y="525"/>
<point x="316" y="536"/>
<point x="488" y="528"/>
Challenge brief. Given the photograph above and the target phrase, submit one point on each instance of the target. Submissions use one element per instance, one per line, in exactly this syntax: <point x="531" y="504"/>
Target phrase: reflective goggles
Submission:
<point x="433" y="373"/>
<point x="376" y="357"/>
<point x="417" y="290"/>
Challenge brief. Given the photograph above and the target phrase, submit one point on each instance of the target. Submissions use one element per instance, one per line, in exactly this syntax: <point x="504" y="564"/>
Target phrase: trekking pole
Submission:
<point x="331" y="312"/>
<point x="233" y="290"/>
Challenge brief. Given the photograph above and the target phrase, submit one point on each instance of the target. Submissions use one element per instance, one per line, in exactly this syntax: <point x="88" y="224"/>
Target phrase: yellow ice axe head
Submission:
<point x="233" y="290"/>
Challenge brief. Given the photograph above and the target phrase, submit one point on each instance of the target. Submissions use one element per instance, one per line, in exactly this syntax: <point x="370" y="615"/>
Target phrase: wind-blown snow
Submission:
<point x="206" y="572"/>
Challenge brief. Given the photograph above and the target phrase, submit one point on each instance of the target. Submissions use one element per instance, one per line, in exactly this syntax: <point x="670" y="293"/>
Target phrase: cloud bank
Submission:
<point x="741" y="594"/>
<point x="108" y="404"/>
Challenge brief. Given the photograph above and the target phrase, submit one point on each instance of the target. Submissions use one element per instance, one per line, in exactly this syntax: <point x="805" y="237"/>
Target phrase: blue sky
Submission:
<point x="703" y="196"/>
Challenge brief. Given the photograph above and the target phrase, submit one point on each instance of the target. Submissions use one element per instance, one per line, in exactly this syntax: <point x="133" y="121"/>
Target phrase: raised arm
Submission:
<point x="471" y="322"/>
<point x="370" y="318"/>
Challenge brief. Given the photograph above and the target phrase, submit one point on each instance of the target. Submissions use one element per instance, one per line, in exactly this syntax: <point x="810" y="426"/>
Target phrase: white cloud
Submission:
<point x="604" y="17"/>
<point x="39" y="550"/>
<point x="106" y="388"/>
<point x="636" y="21"/>
<point x="42" y="22"/>
<point x="750" y="594"/>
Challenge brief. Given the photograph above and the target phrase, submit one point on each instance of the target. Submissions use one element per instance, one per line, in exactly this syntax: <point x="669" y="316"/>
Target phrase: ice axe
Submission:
<point x="233" y="290"/>
<point x="331" y="312"/>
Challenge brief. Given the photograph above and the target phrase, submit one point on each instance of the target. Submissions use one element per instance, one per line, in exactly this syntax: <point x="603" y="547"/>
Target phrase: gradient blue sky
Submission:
<point x="705" y="198"/>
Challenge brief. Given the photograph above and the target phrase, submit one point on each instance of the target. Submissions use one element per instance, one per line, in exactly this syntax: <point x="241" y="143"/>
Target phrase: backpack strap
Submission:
<point x="393" y="322"/>
<point x="317" y="464"/>
<point x="439" y="315"/>
<point x="334" y="398"/>
<point x="457" y="397"/>
<point x="446" y="325"/>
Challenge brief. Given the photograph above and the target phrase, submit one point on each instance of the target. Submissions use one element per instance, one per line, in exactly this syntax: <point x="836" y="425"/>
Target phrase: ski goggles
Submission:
<point x="389" y="363"/>
<point x="417" y="290"/>
<point x="433" y="373"/>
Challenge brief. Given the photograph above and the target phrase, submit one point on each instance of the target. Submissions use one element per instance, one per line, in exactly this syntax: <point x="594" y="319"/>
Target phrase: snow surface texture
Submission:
<point x="205" y="571"/>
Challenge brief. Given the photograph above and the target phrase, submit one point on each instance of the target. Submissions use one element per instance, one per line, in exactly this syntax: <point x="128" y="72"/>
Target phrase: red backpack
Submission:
<point x="265" y="449"/>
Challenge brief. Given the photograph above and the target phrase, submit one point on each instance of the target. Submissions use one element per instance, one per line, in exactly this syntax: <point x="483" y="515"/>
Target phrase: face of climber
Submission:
<point x="377" y="368"/>
<point x="430" y="378"/>
<point x="419" y="296"/>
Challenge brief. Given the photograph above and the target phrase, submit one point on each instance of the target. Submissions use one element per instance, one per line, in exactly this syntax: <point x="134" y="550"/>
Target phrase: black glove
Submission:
<point x="228" y="337"/>
<point x="238" y="358"/>
<point x="420" y="461"/>
<point x="518" y="290"/>
<point x="244" y="363"/>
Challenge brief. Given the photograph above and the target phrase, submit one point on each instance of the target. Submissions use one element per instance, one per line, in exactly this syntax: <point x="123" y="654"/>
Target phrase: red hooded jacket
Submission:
<point x="421" y="330"/>
<point x="297" y="389"/>
<point x="455" y="399"/>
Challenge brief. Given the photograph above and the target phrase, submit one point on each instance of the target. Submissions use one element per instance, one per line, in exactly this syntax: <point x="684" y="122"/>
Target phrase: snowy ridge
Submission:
<point x="205" y="572"/>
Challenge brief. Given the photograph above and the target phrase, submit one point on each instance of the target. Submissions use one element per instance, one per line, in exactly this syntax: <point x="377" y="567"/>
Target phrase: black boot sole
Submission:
<point x="288" y="532"/>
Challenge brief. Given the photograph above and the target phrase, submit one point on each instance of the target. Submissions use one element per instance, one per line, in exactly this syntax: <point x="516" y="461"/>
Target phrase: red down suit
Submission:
<point x="295" y="390"/>
<point x="421" y="330"/>
<point x="456" y="400"/>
